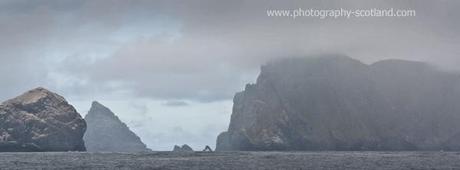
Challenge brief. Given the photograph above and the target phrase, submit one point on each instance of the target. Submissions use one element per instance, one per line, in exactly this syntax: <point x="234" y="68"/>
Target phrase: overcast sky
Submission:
<point x="169" y="69"/>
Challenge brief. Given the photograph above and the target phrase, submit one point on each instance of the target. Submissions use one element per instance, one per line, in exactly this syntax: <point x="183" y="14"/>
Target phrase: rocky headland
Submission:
<point x="339" y="103"/>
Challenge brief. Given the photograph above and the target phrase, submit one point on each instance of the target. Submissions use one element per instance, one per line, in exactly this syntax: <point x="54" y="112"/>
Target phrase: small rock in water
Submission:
<point x="207" y="149"/>
<point x="184" y="148"/>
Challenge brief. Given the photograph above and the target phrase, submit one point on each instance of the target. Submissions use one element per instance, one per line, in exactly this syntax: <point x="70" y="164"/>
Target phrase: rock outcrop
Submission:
<point x="338" y="103"/>
<point x="184" y="148"/>
<point x="107" y="133"/>
<point x="40" y="120"/>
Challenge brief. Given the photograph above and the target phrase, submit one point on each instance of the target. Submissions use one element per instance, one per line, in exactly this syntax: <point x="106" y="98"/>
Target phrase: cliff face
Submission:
<point x="337" y="103"/>
<point x="40" y="120"/>
<point x="107" y="133"/>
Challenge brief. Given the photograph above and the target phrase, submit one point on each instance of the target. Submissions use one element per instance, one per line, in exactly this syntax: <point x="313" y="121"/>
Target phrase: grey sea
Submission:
<point x="232" y="160"/>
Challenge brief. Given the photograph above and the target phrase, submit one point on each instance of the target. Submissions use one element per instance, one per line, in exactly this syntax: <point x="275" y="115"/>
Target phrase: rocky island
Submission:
<point x="107" y="133"/>
<point x="40" y="120"/>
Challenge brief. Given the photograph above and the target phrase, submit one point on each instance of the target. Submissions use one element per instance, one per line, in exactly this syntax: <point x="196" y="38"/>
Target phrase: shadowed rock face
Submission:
<point x="337" y="103"/>
<point x="40" y="120"/>
<point x="107" y="133"/>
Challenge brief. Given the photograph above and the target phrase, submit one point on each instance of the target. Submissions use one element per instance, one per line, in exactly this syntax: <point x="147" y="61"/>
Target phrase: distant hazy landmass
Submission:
<point x="338" y="103"/>
<point x="107" y="133"/>
<point x="40" y="120"/>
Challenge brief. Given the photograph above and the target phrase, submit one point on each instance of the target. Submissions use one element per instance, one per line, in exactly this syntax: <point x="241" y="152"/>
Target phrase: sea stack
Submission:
<point x="339" y="103"/>
<point x="40" y="120"/>
<point x="107" y="133"/>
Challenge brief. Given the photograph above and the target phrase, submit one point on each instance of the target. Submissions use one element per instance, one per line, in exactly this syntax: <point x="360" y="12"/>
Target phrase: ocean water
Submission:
<point x="232" y="160"/>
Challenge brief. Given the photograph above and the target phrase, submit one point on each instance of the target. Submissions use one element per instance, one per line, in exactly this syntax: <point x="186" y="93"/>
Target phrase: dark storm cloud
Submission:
<point x="202" y="50"/>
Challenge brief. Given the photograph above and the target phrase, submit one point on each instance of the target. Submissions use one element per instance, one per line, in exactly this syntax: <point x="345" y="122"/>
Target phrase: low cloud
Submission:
<point x="170" y="50"/>
<point x="176" y="103"/>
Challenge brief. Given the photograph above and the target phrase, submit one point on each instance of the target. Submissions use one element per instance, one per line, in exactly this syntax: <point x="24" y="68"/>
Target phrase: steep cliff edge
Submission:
<point x="338" y="103"/>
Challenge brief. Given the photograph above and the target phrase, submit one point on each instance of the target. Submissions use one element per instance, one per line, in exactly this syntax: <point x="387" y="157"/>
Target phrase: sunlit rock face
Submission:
<point x="338" y="103"/>
<point x="107" y="133"/>
<point x="40" y="120"/>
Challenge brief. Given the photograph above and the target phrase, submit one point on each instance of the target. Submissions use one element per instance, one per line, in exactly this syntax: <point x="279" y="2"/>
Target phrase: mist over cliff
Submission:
<point x="338" y="103"/>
